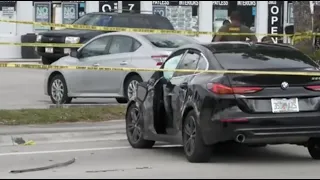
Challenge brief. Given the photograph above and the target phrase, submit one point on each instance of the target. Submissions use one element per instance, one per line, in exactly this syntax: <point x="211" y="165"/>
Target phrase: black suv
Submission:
<point x="74" y="36"/>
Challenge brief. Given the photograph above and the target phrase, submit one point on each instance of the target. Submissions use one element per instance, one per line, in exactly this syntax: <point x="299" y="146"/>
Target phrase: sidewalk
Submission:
<point x="63" y="132"/>
<point x="20" y="60"/>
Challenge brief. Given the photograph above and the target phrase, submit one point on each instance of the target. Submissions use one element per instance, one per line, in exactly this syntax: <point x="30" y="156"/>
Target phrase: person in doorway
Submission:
<point x="225" y="22"/>
<point x="235" y="27"/>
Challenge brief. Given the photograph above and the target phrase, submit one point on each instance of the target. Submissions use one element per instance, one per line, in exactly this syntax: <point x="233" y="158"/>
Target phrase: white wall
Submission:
<point x="12" y="32"/>
<point x="262" y="18"/>
<point x="205" y="20"/>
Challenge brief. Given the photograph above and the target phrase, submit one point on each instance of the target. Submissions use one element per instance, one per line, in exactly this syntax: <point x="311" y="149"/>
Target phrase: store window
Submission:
<point x="290" y="13"/>
<point x="8" y="11"/>
<point x="108" y="6"/>
<point x="183" y="15"/>
<point x="223" y="9"/>
<point x="42" y="13"/>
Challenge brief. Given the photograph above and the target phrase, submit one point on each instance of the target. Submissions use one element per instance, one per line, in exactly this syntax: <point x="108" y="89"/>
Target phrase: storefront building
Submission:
<point x="261" y="16"/>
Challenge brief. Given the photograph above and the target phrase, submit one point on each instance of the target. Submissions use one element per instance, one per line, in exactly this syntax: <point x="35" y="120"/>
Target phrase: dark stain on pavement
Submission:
<point x="118" y="170"/>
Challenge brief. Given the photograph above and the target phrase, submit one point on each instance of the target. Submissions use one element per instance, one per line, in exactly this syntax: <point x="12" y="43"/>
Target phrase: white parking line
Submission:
<point x="78" y="150"/>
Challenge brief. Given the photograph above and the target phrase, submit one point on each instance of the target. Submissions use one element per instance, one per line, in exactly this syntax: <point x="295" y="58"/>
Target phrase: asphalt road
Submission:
<point x="23" y="88"/>
<point x="116" y="159"/>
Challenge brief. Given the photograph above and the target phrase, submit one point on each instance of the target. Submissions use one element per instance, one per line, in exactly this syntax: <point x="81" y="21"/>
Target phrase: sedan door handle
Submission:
<point x="123" y="63"/>
<point x="96" y="64"/>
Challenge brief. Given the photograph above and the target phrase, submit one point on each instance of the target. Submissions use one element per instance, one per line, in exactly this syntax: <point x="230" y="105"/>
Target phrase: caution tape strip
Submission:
<point x="141" y="30"/>
<point x="63" y="45"/>
<point x="38" y="66"/>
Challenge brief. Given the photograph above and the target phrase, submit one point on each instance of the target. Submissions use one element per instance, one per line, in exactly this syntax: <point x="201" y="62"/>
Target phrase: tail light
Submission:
<point x="313" y="88"/>
<point x="159" y="59"/>
<point x="222" y="89"/>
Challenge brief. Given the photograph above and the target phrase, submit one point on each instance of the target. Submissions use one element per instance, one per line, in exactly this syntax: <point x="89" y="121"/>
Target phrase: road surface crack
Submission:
<point x="44" y="167"/>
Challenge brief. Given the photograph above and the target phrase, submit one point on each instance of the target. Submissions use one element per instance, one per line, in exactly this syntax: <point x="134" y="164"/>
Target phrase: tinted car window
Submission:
<point x="202" y="64"/>
<point x="95" y="48"/>
<point x="169" y="40"/>
<point x="190" y="61"/>
<point x="159" y="22"/>
<point x="172" y="63"/>
<point x="136" y="45"/>
<point x="120" y="21"/>
<point x="263" y="57"/>
<point x="121" y="44"/>
<point x="94" y="20"/>
<point x="139" y="22"/>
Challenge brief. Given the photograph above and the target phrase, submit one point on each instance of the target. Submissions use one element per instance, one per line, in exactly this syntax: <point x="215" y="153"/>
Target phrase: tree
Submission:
<point x="303" y="24"/>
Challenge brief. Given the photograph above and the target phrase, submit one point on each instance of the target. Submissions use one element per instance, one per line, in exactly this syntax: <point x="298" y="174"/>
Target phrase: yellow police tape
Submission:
<point x="42" y="44"/>
<point x="141" y="30"/>
<point x="39" y="66"/>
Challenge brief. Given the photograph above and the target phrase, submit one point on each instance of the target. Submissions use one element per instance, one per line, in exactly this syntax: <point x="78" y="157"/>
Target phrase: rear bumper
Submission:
<point x="295" y="128"/>
<point x="296" y="135"/>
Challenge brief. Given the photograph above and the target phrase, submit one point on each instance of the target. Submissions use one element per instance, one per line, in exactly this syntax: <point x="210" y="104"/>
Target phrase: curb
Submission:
<point x="62" y="133"/>
<point x="35" y="139"/>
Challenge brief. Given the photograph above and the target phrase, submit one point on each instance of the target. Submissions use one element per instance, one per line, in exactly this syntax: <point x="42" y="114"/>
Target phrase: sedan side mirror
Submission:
<point x="74" y="53"/>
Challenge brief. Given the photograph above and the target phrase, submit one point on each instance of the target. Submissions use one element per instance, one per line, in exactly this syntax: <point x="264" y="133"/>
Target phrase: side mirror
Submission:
<point x="74" y="53"/>
<point x="142" y="91"/>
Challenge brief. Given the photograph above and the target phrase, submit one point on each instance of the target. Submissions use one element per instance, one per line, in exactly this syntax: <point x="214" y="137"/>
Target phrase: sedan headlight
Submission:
<point x="72" y="40"/>
<point x="39" y="38"/>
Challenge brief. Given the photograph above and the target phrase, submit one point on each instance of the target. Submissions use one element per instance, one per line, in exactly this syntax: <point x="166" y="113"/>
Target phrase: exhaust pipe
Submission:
<point x="240" y="138"/>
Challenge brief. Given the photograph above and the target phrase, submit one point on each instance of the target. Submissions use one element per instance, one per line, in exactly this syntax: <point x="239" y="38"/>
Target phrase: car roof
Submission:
<point x="126" y="14"/>
<point x="138" y="33"/>
<point x="227" y="45"/>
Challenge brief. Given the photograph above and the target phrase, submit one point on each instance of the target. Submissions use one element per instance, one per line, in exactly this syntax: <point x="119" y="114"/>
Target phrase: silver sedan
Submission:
<point x="117" y="49"/>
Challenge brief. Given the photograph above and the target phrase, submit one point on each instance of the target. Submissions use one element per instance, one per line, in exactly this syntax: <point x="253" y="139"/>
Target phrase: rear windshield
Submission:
<point x="169" y="40"/>
<point x="263" y="57"/>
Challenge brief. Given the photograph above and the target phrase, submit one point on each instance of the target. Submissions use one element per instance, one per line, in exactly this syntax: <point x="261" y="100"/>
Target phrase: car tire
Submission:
<point x="57" y="88"/>
<point x="46" y="61"/>
<point x="122" y="100"/>
<point x="314" y="148"/>
<point x="127" y="85"/>
<point x="134" y="129"/>
<point x="194" y="148"/>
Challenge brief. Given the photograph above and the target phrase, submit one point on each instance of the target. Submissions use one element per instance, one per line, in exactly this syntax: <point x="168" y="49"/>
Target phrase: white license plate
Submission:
<point x="49" y="50"/>
<point x="285" y="105"/>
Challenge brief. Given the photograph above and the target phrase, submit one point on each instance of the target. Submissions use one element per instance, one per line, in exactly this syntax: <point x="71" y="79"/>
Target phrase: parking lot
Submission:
<point x="23" y="88"/>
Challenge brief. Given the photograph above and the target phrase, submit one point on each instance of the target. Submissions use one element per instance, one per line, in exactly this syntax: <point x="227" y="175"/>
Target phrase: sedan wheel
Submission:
<point x="194" y="147"/>
<point x="131" y="93"/>
<point x="134" y="129"/>
<point x="58" y="90"/>
<point x="190" y="136"/>
<point x="130" y="87"/>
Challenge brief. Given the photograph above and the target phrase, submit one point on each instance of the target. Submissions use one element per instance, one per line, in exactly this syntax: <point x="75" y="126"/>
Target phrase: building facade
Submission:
<point x="261" y="16"/>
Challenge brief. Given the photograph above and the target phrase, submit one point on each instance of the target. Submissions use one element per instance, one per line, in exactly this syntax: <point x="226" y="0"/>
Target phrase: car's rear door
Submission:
<point x="119" y="55"/>
<point x="257" y="93"/>
<point x="180" y="82"/>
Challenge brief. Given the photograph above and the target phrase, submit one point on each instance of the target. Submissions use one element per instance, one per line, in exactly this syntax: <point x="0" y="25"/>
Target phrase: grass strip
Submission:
<point x="61" y="115"/>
